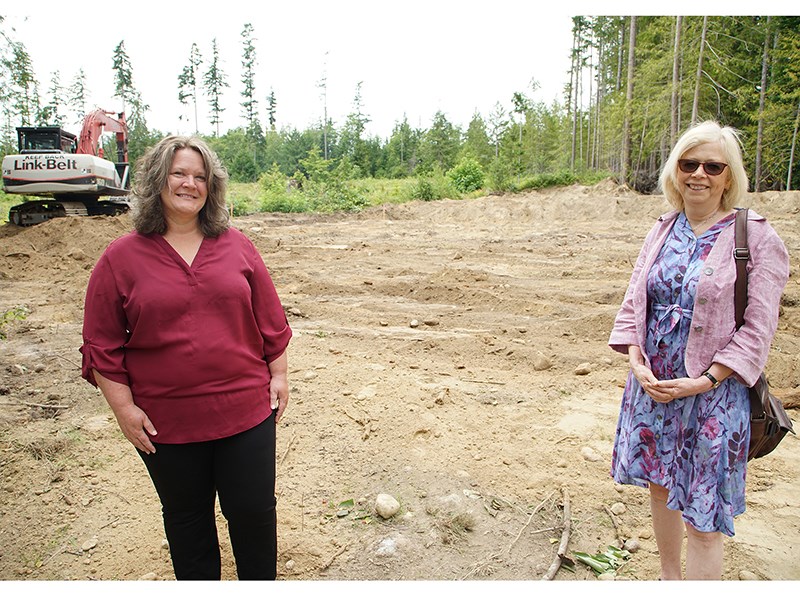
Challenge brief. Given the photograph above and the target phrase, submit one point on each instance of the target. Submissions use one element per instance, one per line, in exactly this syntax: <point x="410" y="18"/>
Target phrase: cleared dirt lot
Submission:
<point x="451" y="354"/>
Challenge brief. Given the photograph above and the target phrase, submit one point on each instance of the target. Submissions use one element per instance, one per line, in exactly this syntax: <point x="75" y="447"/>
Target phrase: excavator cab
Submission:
<point x="46" y="139"/>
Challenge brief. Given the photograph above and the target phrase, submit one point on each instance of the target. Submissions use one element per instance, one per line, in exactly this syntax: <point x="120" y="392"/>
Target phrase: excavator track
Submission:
<point x="38" y="211"/>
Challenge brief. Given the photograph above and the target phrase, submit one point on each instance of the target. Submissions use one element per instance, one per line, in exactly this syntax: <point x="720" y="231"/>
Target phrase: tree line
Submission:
<point x="635" y="83"/>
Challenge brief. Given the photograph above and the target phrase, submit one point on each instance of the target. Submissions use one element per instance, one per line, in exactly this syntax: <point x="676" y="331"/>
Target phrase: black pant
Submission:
<point x="241" y="468"/>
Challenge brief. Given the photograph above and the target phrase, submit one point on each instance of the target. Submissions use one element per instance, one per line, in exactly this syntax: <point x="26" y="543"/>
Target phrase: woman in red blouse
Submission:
<point x="186" y="337"/>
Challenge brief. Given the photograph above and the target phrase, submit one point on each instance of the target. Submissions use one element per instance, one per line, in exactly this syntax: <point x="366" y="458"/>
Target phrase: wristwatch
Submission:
<point x="715" y="383"/>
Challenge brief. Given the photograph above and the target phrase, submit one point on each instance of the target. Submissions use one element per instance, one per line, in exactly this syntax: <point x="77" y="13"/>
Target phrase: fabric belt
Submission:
<point x="669" y="315"/>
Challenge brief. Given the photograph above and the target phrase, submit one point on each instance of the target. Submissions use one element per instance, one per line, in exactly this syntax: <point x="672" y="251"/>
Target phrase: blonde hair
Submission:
<point x="705" y="133"/>
<point x="151" y="177"/>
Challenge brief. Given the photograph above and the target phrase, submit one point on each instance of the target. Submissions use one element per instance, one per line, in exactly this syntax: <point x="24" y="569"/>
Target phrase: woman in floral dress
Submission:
<point x="683" y="427"/>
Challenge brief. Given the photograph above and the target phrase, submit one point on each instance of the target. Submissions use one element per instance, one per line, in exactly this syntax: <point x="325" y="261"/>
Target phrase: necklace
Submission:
<point x="696" y="226"/>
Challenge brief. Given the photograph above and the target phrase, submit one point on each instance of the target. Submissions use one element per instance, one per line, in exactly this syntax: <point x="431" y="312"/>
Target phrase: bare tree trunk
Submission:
<point x="598" y="100"/>
<point x="626" y="128"/>
<point x="676" y="62"/>
<point x="641" y="141"/>
<point x="794" y="145"/>
<point x="573" y="82"/>
<point x="587" y="159"/>
<point x="620" y="53"/>
<point x="761" y="101"/>
<point x="696" y="102"/>
<point x="579" y="107"/>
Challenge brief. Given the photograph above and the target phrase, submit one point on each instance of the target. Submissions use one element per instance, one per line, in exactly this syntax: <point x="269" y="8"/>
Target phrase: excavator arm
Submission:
<point x="94" y="124"/>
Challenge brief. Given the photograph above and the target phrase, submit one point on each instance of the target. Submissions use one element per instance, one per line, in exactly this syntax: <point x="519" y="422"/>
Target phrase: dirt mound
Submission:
<point x="57" y="248"/>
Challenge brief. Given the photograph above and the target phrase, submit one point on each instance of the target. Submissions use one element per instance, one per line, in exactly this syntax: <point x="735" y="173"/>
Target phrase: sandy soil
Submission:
<point x="451" y="354"/>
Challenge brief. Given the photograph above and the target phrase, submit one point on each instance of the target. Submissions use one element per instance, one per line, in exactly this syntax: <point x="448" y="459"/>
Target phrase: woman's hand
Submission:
<point x="279" y="385"/>
<point x="136" y="426"/>
<point x="645" y="376"/>
<point x="650" y="384"/>
<point x="278" y="394"/>
<point x="683" y="386"/>
<point x="133" y="422"/>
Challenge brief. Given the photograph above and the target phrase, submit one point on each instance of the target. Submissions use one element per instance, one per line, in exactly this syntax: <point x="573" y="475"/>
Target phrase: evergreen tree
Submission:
<point x="188" y="80"/>
<point x="54" y="110"/>
<point x="323" y="85"/>
<point x="235" y="150"/>
<point x="272" y="109"/>
<point x="23" y="86"/>
<point x="77" y="95"/>
<point x="439" y="145"/>
<point x="8" y="138"/>
<point x="476" y="141"/>
<point x="351" y="144"/>
<point x="296" y="146"/>
<point x="400" y="152"/>
<point x="521" y="105"/>
<point x="134" y="107"/>
<point x="249" y="101"/>
<point x="140" y="137"/>
<point x="215" y="83"/>
<point x="123" y="76"/>
<point x="498" y="122"/>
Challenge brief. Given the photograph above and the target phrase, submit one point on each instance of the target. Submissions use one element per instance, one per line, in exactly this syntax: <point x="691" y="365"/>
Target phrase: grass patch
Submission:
<point x="52" y="449"/>
<point x="453" y="527"/>
<point x="6" y="202"/>
<point x="18" y="313"/>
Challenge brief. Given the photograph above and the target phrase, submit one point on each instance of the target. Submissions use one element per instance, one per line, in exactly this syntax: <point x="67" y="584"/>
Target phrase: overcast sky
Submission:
<point x="414" y="57"/>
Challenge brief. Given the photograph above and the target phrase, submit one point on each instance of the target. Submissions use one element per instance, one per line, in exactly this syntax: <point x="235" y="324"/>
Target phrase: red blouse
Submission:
<point x="192" y="342"/>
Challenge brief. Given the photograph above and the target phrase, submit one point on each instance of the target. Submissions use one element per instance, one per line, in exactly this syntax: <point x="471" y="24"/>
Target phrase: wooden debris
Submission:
<point x="562" y="547"/>
<point x="620" y="541"/>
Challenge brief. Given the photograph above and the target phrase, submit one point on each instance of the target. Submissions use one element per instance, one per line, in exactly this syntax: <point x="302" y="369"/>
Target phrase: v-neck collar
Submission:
<point x="189" y="269"/>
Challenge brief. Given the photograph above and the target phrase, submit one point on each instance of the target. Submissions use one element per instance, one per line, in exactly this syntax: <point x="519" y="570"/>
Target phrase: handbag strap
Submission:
<point x="741" y="253"/>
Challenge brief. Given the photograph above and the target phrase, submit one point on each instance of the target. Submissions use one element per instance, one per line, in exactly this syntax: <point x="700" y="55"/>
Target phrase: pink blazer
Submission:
<point x="713" y="336"/>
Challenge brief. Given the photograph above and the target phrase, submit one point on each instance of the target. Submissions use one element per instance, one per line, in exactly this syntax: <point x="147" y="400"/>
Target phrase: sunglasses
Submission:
<point x="711" y="168"/>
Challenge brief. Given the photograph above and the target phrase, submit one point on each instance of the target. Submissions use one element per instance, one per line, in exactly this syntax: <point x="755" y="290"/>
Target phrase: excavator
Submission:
<point x="69" y="170"/>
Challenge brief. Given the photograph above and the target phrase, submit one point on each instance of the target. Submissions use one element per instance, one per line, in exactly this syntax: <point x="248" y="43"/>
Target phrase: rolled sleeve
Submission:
<point x="270" y="316"/>
<point x="104" y="328"/>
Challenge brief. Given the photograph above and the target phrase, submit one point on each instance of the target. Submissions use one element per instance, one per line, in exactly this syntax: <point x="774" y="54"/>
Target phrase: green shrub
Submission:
<point x="424" y="190"/>
<point x="239" y="205"/>
<point x="334" y="196"/>
<point x="467" y="176"/>
<point x="436" y="186"/>
<point x="501" y="176"/>
<point x="546" y="180"/>
<point x="281" y="194"/>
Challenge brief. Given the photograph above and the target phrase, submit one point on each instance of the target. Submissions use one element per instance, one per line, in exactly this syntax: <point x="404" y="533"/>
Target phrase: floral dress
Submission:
<point x="691" y="446"/>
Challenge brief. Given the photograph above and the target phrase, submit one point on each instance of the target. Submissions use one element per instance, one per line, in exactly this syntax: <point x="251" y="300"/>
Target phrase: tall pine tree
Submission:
<point x="215" y="82"/>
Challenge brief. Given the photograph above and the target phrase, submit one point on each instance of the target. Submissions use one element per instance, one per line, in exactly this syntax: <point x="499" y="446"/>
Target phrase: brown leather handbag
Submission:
<point x="769" y="422"/>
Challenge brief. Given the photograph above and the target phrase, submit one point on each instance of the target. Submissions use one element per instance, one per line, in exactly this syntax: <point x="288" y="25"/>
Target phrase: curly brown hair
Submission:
<point x="152" y="171"/>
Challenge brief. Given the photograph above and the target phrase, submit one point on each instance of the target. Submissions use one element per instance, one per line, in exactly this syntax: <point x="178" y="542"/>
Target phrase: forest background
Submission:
<point x="634" y="85"/>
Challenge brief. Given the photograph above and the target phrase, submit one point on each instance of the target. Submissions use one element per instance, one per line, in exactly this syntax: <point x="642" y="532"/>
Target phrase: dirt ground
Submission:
<point x="450" y="354"/>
